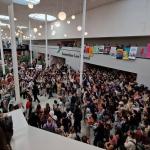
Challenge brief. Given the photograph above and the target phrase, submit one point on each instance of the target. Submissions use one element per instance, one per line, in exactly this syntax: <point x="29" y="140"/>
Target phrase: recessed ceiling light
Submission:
<point x="41" y="17"/>
<point x="26" y="2"/>
<point x="3" y="17"/>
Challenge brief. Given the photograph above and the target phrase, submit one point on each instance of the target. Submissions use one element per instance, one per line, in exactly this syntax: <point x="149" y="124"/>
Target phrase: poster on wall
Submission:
<point x="119" y="53"/>
<point x="100" y="49"/>
<point x="148" y="51"/>
<point x="91" y="51"/>
<point x="132" y="53"/>
<point x="126" y="53"/>
<point x="107" y="49"/>
<point x="96" y="50"/>
<point x="113" y="51"/>
<point x="141" y="52"/>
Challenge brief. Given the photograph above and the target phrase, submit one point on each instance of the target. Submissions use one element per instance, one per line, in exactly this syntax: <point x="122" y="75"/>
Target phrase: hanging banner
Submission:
<point x="126" y="53"/>
<point x="148" y="51"/>
<point x="96" y="50"/>
<point x="119" y="53"/>
<point x="133" y="52"/>
<point x="113" y="51"/>
<point x="90" y="51"/>
<point x="107" y="50"/>
<point x="100" y="49"/>
<point x="141" y="52"/>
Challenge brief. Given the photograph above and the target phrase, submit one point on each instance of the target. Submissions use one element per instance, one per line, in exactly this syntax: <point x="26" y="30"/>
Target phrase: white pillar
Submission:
<point x="82" y="42"/>
<point x="46" y="41"/>
<point x="2" y="54"/>
<point x="14" y="52"/>
<point x="30" y="45"/>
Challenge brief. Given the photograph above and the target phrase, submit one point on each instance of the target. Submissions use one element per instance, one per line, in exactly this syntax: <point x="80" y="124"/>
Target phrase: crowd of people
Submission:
<point x="109" y="103"/>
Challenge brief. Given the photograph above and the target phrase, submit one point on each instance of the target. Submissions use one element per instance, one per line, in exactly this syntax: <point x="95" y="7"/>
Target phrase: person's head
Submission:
<point x="84" y="139"/>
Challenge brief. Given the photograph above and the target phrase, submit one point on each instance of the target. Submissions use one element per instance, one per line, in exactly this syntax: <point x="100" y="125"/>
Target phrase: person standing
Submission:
<point x="77" y="119"/>
<point x="35" y="92"/>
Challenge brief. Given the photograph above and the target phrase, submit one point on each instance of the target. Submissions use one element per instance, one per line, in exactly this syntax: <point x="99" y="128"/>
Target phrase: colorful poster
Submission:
<point x="113" y="51"/>
<point x="126" y="53"/>
<point x="100" y="49"/>
<point x="133" y="52"/>
<point x="148" y="51"/>
<point x="107" y="49"/>
<point x="119" y="53"/>
<point x="96" y="50"/>
<point x="90" y="51"/>
<point x="141" y="52"/>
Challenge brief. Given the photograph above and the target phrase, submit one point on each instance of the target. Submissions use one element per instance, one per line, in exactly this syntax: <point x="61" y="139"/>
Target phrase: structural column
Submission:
<point x="82" y="41"/>
<point x="46" y="42"/>
<point x="30" y="46"/>
<point x="2" y="53"/>
<point x="14" y="52"/>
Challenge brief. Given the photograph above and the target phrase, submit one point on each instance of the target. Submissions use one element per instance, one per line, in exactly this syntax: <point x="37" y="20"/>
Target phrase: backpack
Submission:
<point x="139" y="146"/>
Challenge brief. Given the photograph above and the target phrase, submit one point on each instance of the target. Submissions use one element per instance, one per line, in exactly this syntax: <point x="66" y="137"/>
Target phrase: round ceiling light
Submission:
<point x="79" y="28"/>
<point x="41" y="17"/>
<point x="73" y="17"/>
<point x="39" y="34"/>
<point x="30" y="5"/>
<point x="40" y="26"/>
<point x="57" y="24"/>
<point x="86" y="33"/>
<point x="62" y="15"/>
<point x="35" y="30"/>
<point x="68" y="21"/>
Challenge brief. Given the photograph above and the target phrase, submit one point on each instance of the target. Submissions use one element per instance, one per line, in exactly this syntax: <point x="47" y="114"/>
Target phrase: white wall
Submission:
<point x="120" y="18"/>
<point x="139" y="66"/>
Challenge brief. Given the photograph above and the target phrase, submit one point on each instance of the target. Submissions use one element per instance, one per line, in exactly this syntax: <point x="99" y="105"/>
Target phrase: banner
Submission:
<point x="133" y="52"/>
<point x="38" y="67"/>
<point x="100" y="49"/>
<point x="107" y="50"/>
<point x="141" y="52"/>
<point x="90" y="51"/>
<point x="126" y="53"/>
<point x="113" y="51"/>
<point x="148" y="51"/>
<point x="119" y="53"/>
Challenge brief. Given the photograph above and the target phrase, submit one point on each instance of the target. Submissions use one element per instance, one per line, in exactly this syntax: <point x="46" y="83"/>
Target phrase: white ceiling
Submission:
<point x="51" y="7"/>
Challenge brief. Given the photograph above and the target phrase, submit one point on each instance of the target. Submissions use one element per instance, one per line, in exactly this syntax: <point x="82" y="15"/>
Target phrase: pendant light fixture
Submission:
<point x="62" y="15"/>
